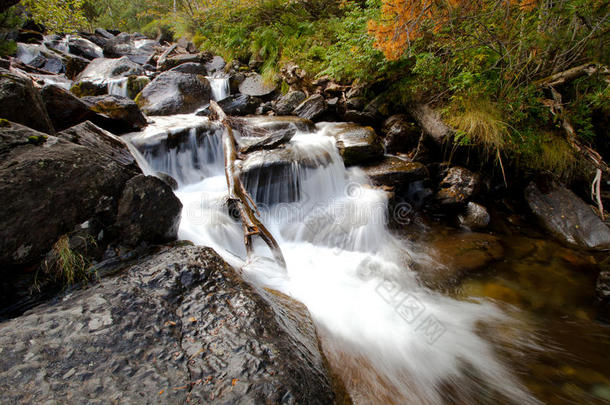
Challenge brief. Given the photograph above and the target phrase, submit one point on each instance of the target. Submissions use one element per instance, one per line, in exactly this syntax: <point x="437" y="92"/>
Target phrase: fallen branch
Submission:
<point x="572" y="74"/>
<point x="238" y="198"/>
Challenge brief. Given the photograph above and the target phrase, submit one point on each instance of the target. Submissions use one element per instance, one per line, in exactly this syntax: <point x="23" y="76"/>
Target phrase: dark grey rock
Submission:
<point x="123" y="114"/>
<point x="395" y="172"/>
<point x="48" y="185"/>
<point x="216" y="64"/>
<point x="176" y="60"/>
<point x="400" y="134"/>
<point x="84" y="48"/>
<point x="104" y="33"/>
<point x="474" y="217"/>
<point x="64" y="108"/>
<point x="179" y="327"/>
<point x="20" y="102"/>
<point x="148" y="211"/>
<point x="567" y="217"/>
<point x="288" y="102"/>
<point x="358" y="145"/>
<point x="194" y="68"/>
<point x="255" y="85"/>
<point x="237" y="105"/>
<point x="174" y="93"/>
<point x="93" y="81"/>
<point x="312" y="108"/>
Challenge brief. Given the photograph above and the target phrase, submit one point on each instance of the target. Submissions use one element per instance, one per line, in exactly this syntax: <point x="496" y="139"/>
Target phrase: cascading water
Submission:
<point x="390" y="339"/>
<point x="220" y="86"/>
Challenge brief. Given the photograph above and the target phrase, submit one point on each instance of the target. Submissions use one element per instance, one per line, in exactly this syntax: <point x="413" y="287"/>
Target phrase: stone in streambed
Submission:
<point x="288" y="102"/>
<point x="180" y="326"/>
<point x="20" y="102"/>
<point x="357" y="145"/>
<point x="458" y="185"/>
<point x="174" y="93"/>
<point x="395" y="172"/>
<point x="567" y="217"/>
<point x="123" y="113"/>
<point x="64" y="108"/>
<point x="312" y="108"/>
<point x="474" y="217"/>
<point x="255" y="85"/>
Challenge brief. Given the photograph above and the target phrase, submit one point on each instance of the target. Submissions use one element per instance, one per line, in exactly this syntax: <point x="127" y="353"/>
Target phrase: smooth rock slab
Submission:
<point x="179" y="327"/>
<point x="567" y="217"/>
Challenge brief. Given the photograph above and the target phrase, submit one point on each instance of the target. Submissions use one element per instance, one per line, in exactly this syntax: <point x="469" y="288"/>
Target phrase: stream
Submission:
<point x="497" y="338"/>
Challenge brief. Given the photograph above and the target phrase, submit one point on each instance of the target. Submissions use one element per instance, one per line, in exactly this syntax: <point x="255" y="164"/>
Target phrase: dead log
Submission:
<point x="238" y="198"/>
<point x="572" y="74"/>
<point x="430" y="122"/>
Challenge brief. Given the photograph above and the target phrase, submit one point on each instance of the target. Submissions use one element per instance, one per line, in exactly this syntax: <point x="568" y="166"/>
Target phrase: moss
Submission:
<point x="37" y="139"/>
<point x="4" y="123"/>
<point x="135" y="84"/>
<point x="83" y="89"/>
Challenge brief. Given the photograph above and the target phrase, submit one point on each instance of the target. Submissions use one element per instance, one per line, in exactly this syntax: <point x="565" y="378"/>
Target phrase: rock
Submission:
<point x="64" y="108"/>
<point x="84" y="48"/>
<point x="311" y="108"/>
<point x="355" y="103"/>
<point x="255" y="85"/>
<point x="75" y="65"/>
<point x="169" y="180"/>
<point x="194" y="68"/>
<point x="186" y="45"/>
<point x="358" y="145"/>
<point x="104" y="33"/>
<point x="216" y="64"/>
<point x="40" y="57"/>
<point x="148" y="211"/>
<point x="430" y="121"/>
<point x="135" y="84"/>
<point x="567" y="217"/>
<point x="400" y="134"/>
<point x="288" y="102"/>
<point x="177" y="60"/>
<point x="395" y="172"/>
<point x="602" y="291"/>
<point x="29" y="36"/>
<point x="282" y="123"/>
<point x="174" y="93"/>
<point x="136" y="48"/>
<point x="78" y="174"/>
<point x="179" y="327"/>
<point x="237" y="104"/>
<point x="124" y="114"/>
<point x="20" y="102"/>
<point x="475" y="217"/>
<point x="458" y="185"/>
<point x="359" y="117"/>
<point x="94" y="80"/>
<point x="457" y="255"/>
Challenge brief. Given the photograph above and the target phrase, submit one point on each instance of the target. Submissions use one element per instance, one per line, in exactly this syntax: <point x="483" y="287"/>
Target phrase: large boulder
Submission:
<point x="64" y="108"/>
<point x="400" y="134"/>
<point x="49" y="185"/>
<point x="135" y="47"/>
<point x="174" y="93"/>
<point x="567" y="217"/>
<point x="94" y="80"/>
<point x="20" y="102"/>
<point x="148" y="211"/>
<point x="123" y="113"/>
<point x="40" y="57"/>
<point x="177" y="60"/>
<point x="288" y="102"/>
<point x="84" y="48"/>
<point x="237" y="104"/>
<point x="358" y="145"/>
<point x="193" y="68"/>
<point x="312" y="108"/>
<point x="179" y="327"/>
<point x="396" y="173"/>
<point x="255" y="85"/>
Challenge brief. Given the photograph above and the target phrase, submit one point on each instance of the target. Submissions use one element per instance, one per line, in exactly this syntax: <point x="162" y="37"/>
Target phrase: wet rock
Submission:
<point x="395" y="172"/>
<point x="237" y="104"/>
<point x="148" y="211"/>
<point x="216" y="64"/>
<point x="358" y="145"/>
<point x="359" y="117"/>
<point x="400" y="134"/>
<point x="94" y="80"/>
<point x="135" y="84"/>
<point x="29" y="36"/>
<point x="64" y="108"/>
<point x="169" y="180"/>
<point x="255" y="85"/>
<point x="174" y="93"/>
<point x="177" y="60"/>
<point x="104" y="33"/>
<point x="312" y="108"/>
<point x="602" y="291"/>
<point x="282" y="123"/>
<point x="124" y="114"/>
<point x="567" y="217"/>
<point x="135" y="47"/>
<point x="475" y="217"/>
<point x="355" y="103"/>
<point x="40" y="57"/>
<point x="288" y="102"/>
<point x="179" y="327"/>
<point x="75" y="65"/>
<point x="194" y="68"/>
<point x="50" y="185"/>
<point x="84" y="48"/>
<point x="20" y="102"/>
<point x="457" y="255"/>
<point x="458" y="185"/>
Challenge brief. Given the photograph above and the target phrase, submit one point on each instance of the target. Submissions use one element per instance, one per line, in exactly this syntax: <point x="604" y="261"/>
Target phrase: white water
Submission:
<point x="118" y="87"/>
<point x="389" y="338"/>
<point x="220" y="87"/>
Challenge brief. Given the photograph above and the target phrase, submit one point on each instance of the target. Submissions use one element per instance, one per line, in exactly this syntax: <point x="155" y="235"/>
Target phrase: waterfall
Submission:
<point x="220" y="86"/>
<point x="389" y="338"/>
<point x="118" y="87"/>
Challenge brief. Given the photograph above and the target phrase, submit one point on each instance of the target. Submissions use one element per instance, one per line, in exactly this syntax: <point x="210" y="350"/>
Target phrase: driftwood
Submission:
<point x="572" y="74"/>
<point x="238" y="198"/>
<point x="431" y="122"/>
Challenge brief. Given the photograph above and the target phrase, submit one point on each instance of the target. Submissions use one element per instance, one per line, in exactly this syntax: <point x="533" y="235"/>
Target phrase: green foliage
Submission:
<point x="68" y="266"/>
<point x="9" y="20"/>
<point x="58" y="15"/>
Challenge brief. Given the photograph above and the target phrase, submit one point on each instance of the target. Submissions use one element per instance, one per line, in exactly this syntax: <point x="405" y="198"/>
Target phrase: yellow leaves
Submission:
<point x="234" y="381"/>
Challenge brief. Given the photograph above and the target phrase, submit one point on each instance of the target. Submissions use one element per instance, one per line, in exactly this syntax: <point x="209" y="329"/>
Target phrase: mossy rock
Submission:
<point x="84" y="89"/>
<point x="4" y="123"/>
<point x="135" y="85"/>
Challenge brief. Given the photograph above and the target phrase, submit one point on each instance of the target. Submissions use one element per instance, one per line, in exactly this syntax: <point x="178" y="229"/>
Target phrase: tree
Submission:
<point x="57" y="15"/>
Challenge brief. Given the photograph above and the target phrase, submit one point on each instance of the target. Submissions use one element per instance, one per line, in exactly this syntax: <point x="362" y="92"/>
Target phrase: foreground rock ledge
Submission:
<point x="180" y="327"/>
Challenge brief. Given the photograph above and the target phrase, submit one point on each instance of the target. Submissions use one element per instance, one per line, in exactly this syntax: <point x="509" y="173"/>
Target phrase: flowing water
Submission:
<point x="219" y="84"/>
<point x="389" y="338"/>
